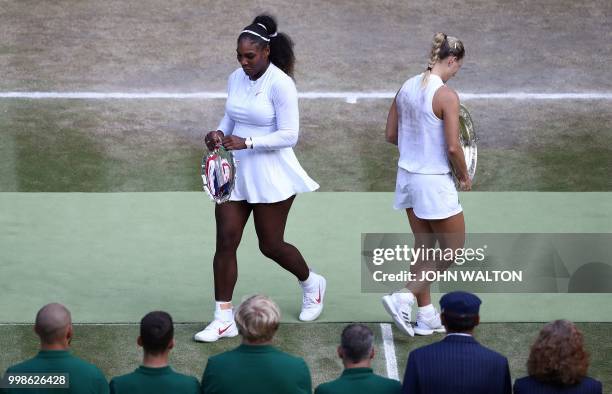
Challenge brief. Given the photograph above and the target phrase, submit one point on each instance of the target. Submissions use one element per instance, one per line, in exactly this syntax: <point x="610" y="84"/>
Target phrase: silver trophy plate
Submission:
<point x="467" y="138"/>
<point x="218" y="170"/>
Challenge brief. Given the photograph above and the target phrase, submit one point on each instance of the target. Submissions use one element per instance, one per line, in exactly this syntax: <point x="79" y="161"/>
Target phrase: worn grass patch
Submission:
<point x="156" y="145"/>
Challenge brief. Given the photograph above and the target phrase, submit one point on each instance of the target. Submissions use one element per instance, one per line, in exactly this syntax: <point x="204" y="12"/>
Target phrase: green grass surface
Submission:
<point x="113" y="347"/>
<point x="111" y="257"/>
<point x="119" y="146"/>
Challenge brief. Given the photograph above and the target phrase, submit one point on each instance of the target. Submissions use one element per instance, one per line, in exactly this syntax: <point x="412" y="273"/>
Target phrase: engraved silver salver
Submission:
<point x="218" y="170"/>
<point x="467" y="139"/>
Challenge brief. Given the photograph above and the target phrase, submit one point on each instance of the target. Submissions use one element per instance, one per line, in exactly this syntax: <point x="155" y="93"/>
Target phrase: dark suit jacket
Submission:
<point x="529" y="385"/>
<point x="457" y="364"/>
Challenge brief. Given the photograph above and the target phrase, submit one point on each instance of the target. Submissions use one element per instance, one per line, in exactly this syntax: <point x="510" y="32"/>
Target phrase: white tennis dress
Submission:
<point x="266" y="110"/>
<point x="424" y="182"/>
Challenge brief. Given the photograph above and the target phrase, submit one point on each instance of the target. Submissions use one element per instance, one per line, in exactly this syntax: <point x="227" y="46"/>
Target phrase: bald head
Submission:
<point x="53" y="322"/>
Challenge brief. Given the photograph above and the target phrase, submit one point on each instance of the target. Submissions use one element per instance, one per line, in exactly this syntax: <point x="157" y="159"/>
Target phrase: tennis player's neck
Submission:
<point x="439" y="75"/>
<point x="259" y="74"/>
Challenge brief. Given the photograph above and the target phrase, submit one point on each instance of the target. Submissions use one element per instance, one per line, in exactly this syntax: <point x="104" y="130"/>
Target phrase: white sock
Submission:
<point x="223" y="314"/>
<point x="405" y="297"/>
<point x="311" y="282"/>
<point x="427" y="310"/>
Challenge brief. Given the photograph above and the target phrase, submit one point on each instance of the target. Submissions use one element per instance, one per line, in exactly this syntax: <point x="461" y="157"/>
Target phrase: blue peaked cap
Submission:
<point x="460" y="303"/>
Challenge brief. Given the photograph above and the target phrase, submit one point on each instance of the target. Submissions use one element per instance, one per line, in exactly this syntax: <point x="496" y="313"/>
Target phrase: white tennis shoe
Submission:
<point x="216" y="330"/>
<point x="428" y="325"/>
<point x="399" y="306"/>
<point x="312" y="300"/>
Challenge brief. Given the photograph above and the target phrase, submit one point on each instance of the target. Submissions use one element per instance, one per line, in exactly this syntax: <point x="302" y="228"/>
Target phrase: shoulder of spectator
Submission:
<point x="390" y="382"/>
<point x="325" y="388"/>
<point x="521" y="381"/>
<point x="298" y="361"/>
<point x="291" y="360"/>
<point x="190" y="382"/>
<point x="119" y="378"/>
<point x="196" y="382"/>
<point x="93" y="368"/>
<point x="418" y="352"/>
<point x="386" y="382"/>
<point x="593" y="382"/>
<point x="500" y="358"/>
<point x="188" y="379"/>
<point x="19" y="367"/>
<point x="221" y="359"/>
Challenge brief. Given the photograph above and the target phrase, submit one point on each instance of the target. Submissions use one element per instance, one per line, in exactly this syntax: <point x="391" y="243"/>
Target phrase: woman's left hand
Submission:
<point x="234" y="143"/>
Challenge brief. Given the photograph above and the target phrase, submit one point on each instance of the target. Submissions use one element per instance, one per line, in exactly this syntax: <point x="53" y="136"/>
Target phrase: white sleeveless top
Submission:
<point x="421" y="141"/>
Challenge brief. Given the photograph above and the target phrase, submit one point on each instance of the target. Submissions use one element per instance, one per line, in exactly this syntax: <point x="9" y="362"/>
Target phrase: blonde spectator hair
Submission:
<point x="258" y="318"/>
<point x="442" y="47"/>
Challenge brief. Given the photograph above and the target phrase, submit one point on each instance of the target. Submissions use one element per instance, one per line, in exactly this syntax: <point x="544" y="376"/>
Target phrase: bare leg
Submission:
<point x="449" y="232"/>
<point x="270" y="221"/>
<point x="231" y="218"/>
<point x="423" y="237"/>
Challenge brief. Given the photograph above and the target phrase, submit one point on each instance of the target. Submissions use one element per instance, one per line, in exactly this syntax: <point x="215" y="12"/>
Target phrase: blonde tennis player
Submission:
<point x="424" y="123"/>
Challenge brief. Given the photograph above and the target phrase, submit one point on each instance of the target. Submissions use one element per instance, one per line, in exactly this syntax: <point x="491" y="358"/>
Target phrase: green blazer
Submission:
<point x="145" y="380"/>
<point x="360" y="380"/>
<point x="256" y="369"/>
<point x="85" y="378"/>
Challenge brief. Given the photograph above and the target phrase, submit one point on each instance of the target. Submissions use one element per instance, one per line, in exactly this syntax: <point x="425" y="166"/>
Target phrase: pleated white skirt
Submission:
<point x="267" y="176"/>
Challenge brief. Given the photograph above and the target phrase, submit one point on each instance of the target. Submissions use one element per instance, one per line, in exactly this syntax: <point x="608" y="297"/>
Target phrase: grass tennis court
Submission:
<point x="99" y="201"/>
<point x="135" y="146"/>
<point x="94" y="247"/>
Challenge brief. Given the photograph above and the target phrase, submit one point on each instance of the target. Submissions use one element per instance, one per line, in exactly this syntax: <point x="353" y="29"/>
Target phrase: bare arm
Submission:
<point x="391" y="128"/>
<point x="446" y="101"/>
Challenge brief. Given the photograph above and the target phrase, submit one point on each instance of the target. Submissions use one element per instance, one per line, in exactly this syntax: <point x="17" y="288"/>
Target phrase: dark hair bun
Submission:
<point x="268" y="21"/>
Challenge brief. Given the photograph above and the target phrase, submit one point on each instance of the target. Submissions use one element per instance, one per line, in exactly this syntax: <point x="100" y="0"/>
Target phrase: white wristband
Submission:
<point x="249" y="143"/>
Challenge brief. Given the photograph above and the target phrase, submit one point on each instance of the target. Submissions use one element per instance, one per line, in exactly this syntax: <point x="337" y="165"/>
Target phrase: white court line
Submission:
<point x="389" y="349"/>
<point x="99" y="324"/>
<point x="350" y="97"/>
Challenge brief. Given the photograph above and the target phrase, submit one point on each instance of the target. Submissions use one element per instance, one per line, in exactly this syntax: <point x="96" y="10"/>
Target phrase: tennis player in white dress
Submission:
<point x="424" y="122"/>
<point x="260" y="126"/>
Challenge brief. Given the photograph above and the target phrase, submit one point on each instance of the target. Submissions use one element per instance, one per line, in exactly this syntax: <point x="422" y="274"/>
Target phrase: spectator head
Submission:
<point x="356" y="344"/>
<point x="257" y="319"/>
<point x="156" y="333"/>
<point x="558" y="355"/>
<point x="54" y="325"/>
<point x="460" y="311"/>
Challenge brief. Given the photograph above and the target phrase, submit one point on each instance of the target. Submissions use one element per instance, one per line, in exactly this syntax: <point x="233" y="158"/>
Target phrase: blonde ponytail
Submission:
<point x="442" y="47"/>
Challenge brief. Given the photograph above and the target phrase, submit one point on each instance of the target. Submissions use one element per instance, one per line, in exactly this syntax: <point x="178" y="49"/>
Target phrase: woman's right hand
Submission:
<point x="465" y="185"/>
<point x="214" y="139"/>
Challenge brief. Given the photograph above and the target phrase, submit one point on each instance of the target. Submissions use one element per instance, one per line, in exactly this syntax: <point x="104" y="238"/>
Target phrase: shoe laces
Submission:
<point x="432" y="321"/>
<point x="308" y="299"/>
